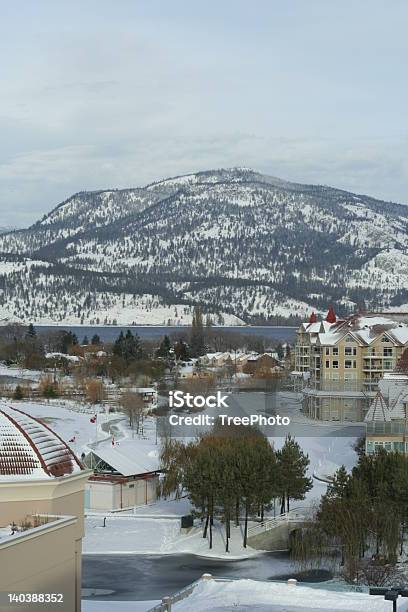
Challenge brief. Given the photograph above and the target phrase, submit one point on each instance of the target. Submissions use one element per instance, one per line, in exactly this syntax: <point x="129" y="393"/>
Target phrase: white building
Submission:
<point x="124" y="476"/>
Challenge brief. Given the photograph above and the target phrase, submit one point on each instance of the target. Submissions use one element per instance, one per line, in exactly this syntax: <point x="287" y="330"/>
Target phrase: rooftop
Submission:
<point x="29" y="449"/>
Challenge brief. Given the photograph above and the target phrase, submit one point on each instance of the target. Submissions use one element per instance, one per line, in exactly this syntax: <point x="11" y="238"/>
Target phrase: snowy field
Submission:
<point x="15" y="371"/>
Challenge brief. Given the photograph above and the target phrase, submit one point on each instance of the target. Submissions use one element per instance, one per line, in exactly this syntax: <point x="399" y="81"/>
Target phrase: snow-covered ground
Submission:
<point x="110" y="309"/>
<point x="155" y="529"/>
<point x="17" y="372"/>
<point x="155" y="534"/>
<point x="117" y="606"/>
<point x="254" y="596"/>
<point x="258" y="596"/>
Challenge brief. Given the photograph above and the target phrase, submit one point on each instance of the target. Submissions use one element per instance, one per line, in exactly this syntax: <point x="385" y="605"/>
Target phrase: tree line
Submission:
<point x="234" y="474"/>
<point x="363" y="516"/>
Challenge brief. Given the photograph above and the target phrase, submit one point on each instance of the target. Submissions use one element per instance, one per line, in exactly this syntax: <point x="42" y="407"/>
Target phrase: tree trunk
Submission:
<point x="226" y="533"/>
<point x="211" y="535"/>
<point x="206" y="524"/>
<point x="282" y="509"/>
<point x="246" y="526"/>
<point x="237" y="512"/>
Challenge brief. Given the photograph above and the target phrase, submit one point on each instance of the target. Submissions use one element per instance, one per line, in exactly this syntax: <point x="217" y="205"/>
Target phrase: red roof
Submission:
<point x="313" y="318"/>
<point x="331" y="315"/>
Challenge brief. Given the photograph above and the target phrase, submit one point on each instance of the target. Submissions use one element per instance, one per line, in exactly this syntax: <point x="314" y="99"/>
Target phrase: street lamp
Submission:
<point x="390" y="594"/>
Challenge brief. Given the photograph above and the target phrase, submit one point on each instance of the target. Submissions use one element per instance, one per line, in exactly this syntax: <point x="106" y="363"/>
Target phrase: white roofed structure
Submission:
<point x="124" y="458"/>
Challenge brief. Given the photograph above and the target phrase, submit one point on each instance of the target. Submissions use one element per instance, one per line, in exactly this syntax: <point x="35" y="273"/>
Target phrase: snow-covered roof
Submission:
<point x="264" y="596"/>
<point x="318" y="327"/>
<point x="394" y="387"/>
<point x="73" y="358"/>
<point x="378" y="410"/>
<point x="364" y="329"/>
<point x="29" y="449"/>
<point x="127" y="458"/>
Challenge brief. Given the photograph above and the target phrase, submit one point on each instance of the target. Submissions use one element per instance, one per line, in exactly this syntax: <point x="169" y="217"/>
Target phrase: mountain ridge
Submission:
<point x="242" y="244"/>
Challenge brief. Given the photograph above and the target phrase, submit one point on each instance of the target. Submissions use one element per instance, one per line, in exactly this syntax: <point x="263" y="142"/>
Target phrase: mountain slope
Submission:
<point x="238" y="242"/>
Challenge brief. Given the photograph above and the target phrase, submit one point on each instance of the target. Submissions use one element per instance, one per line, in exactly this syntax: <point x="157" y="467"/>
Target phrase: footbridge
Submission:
<point x="274" y="534"/>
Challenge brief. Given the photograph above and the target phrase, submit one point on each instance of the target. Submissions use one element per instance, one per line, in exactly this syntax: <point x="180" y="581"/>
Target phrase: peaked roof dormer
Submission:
<point x="331" y="315"/>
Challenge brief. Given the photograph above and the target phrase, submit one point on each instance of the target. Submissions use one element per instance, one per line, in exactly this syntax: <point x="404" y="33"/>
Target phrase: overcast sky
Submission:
<point x="118" y="93"/>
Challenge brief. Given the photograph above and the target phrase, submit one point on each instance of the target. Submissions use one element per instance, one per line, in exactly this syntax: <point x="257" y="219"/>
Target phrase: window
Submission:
<point x="327" y="364"/>
<point x="327" y="350"/>
<point x="385" y="339"/>
<point x="387" y="351"/>
<point x="336" y="365"/>
<point x="335" y="350"/>
<point x="348" y="364"/>
<point x="388" y="364"/>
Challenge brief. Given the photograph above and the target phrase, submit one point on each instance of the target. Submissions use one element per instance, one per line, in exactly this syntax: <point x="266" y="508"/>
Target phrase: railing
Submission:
<point x="356" y="385"/>
<point x="387" y="427"/>
<point x="295" y="515"/>
<point x="167" y="602"/>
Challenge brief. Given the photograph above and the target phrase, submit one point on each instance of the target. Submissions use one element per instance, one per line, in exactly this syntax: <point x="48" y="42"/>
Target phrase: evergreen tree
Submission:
<point x="293" y="464"/>
<point x="197" y="333"/>
<point x="18" y="393"/>
<point x="85" y="341"/>
<point x="68" y="339"/>
<point x="280" y="351"/>
<point x="95" y="340"/>
<point x="128" y="347"/>
<point x="31" y="333"/>
<point x="181" y="351"/>
<point x="164" y="348"/>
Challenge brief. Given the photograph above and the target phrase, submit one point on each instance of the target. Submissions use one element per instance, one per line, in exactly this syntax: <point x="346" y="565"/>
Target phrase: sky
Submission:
<point x="112" y="94"/>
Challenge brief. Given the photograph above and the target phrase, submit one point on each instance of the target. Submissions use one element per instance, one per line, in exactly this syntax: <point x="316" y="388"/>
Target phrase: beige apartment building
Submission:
<point x="339" y="363"/>
<point x="41" y="515"/>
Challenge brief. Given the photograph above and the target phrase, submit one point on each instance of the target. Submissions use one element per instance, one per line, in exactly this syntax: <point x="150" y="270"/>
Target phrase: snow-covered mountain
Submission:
<point x="248" y="247"/>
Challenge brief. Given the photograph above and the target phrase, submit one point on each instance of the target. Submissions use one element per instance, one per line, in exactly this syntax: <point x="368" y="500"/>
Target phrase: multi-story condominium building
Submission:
<point x="338" y="363"/>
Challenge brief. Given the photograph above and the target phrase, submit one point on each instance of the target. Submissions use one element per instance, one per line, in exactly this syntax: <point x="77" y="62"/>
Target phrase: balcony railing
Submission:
<point x="336" y="385"/>
<point x="386" y="427"/>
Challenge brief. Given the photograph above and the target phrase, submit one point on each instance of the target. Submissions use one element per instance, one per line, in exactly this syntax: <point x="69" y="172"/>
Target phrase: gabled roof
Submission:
<point x="127" y="459"/>
<point x="364" y="329"/>
<point x="394" y="387"/>
<point x="30" y="449"/>
<point x="378" y="410"/>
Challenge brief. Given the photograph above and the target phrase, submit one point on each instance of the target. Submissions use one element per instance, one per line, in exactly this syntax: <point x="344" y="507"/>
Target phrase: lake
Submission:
<point x="109" y="333"/>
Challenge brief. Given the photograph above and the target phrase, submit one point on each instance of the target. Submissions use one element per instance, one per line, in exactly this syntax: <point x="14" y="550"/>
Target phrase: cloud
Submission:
<point x="96" y="97"/>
